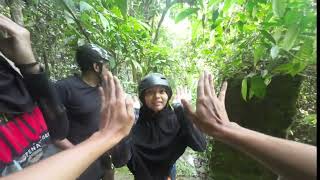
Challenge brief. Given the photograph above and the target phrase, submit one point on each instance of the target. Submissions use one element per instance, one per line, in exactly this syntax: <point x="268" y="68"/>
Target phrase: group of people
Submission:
<point x="93" y="122"/>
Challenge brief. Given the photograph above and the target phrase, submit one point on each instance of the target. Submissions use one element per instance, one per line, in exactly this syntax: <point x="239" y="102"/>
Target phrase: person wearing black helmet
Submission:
<point x="80" y="96"/>
<point x="161" y="133"/>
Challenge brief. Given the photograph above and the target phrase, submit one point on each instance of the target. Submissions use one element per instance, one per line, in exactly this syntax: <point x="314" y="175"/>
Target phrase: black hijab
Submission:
<point x="157" y="142"/>
<point x="14" y="97"/>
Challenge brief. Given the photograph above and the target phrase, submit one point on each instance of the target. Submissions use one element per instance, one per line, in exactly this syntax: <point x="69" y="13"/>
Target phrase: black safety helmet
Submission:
<point x="88" y="54"/>
<point x="151" y="80"/>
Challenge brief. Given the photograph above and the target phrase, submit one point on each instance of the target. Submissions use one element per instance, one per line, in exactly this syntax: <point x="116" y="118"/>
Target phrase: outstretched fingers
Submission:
<point x="110" y="91"/>
<point x="200" y="88"/>
<point x="223" y="90"/>
<point x="118" y="89"/>
<point x="206" y="83"/>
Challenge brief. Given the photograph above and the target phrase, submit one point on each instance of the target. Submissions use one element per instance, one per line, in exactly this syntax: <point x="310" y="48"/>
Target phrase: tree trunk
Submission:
<point x="155" y="39"/>
<point x="169" y="4"/>
<point x="271" y="115"/>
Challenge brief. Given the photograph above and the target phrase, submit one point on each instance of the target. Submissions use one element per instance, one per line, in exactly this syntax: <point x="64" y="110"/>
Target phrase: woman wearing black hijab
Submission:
<point x="161" y="133"/>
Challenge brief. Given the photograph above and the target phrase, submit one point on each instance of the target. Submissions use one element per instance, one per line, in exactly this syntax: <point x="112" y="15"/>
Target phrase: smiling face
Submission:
<point x="156" y="98"/>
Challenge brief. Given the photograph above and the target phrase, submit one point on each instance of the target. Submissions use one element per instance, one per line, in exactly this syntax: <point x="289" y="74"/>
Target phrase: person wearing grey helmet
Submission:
<point x="80" y="96"/>
<point x="161" y="133"/>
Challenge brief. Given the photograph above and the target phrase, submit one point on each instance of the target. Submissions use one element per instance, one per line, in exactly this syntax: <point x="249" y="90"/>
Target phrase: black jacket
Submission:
<point x="159" y="139"/>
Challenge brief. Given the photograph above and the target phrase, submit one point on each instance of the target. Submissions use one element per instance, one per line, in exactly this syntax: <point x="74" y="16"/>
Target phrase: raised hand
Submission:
<point x="117" y="114"/>
<point x="182" y="93"/>
<point x="210" y="115"/>
<point x="17" y="47"/>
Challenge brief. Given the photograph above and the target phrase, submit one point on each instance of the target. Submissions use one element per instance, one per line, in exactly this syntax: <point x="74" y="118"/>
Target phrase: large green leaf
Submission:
<point x="244" y="89"/>
<point x="185" y="13"/>
<point x="257" y="86"/>
<point x="84" y="6"/>
<point x="279" y="7"/>
<point x="226" y="5"/>
<point x="123" y="6"/>
<point x="305" y="52"/>
<point x="290" y="37"/>
<point x="292" y="17"/>
<point x="104" y="21"/>
<point x="283" y="68"/>
<point x="257" y="55"/>
<point x="268" y="36"/>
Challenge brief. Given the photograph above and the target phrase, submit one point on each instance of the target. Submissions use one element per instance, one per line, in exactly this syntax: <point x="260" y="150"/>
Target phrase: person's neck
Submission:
<point x="90" y="78"/>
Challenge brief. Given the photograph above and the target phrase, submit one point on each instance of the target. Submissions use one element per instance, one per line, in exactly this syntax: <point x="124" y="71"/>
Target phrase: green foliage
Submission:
<point x="254" y="40"/>
<point x="240" y="41"/>
<point x="304" y="127"/>
<point x="185" y="13"/>
<point x="279" y="7"/>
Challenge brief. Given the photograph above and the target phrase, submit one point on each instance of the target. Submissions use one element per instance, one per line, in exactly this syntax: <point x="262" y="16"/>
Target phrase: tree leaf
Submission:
<point x="268" y="36"/>
<point x="226" y="5"/>
<point x="84" y="6"/>
<point x="244" y="89"/>
<point x="274" y="52"/>
<point x="264" y="73"/>
<point x="279" y="7"/>
<point x="185" y="13"/>
<point x="290" y="37"/>
<point x="283" y="68"/>
<point x="277" y="35"/>
<point x="258" y="53"/>
<point x="292" y="17"/>
<point x="123" y="6"/>
<point x="258" y="86"/>
<point x="215" y="15"/>
<point x="104" y="21"/>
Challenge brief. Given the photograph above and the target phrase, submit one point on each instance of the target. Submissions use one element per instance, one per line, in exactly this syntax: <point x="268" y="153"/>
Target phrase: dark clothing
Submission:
<point x="159" y="139"/>
<point x="82" y="103"/>
<point x="14" y="97"/>
<point x="24" y="135"/>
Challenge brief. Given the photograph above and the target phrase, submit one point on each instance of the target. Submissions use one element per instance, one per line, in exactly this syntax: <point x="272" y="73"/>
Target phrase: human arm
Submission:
<point x="64" y="144"/>
<point x="121" y="152"/>
<point x="17" y="47"/>
<point x="193" y="137"/>
<point x="289" y="159"/>
<point x="116" y="121"/>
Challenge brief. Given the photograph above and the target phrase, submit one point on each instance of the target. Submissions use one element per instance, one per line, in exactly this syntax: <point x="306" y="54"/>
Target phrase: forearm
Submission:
<point x="68" y="164"/>
<point x="64" y="144"/>
<point x="289" y="159"/>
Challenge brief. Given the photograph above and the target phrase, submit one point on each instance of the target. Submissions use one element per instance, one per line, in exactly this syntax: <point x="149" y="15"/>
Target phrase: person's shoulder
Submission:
<point x="67" y="81"/>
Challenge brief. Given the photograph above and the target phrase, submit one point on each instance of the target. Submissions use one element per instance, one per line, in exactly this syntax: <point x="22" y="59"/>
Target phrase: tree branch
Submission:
<point x="168" y="6"/>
